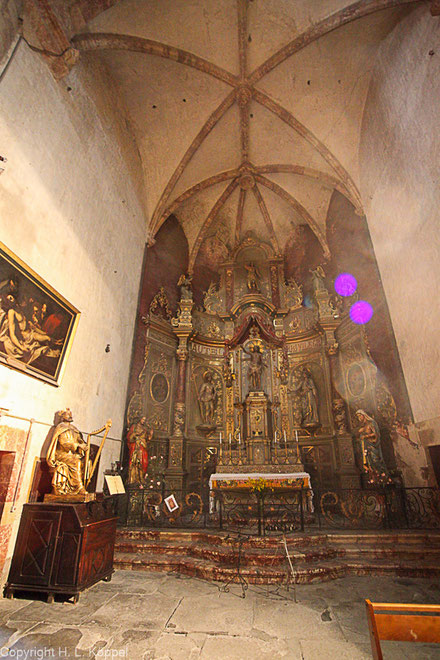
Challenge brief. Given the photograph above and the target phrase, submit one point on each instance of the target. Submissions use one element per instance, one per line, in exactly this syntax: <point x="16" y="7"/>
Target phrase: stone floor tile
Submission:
<point x="314" y="649"/>
<point x="289" y="620"/>
<point x="222" y="647"/>
<point x="131" y="644"/>
<point x="139" y="582"/>
<point x="177" y="586"/>
<point x="215" y="613"/>
<point x="10" y="605"/>
<point x="177" y="647"/>
<point x="62" y="611"/>
<point x="134" y="611"/>
<point x="10" y="632"/>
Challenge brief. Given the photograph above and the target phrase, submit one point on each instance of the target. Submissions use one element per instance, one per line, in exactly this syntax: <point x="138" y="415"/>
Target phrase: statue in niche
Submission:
<point x="372" y="457"/>
<point x="208" y="400"/>
<point x="185" y="284"/>
<point x="318" y="279"/>
<point x="138" y="435"/>
<point x="253" y="277"/>
<point x="66" y="457"/>
<point x="339" y="415"/>
<point x="256" y="365"/>
<point x="306" y="395"/>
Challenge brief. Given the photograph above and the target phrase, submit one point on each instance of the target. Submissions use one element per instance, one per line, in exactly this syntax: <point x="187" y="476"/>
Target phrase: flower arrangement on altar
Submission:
<point x="259" y="485"/>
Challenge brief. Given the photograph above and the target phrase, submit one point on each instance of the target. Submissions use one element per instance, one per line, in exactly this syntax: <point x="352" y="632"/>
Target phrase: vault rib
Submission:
<point x="208" y="222"/>
<point x="326" y="180"/>
<point x="239" y="221"/>
<point x="110" y="41"/>
<point x="195" y="144"/>
<point x="196" y="188"/>
<point x="267" y="219"/>
<point x="299" y="208"/>
<point x="347" y="15"/>
<point x="288" y="118"/>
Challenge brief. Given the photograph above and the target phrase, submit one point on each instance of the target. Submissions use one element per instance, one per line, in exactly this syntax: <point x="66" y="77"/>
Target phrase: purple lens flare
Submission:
<point x="345" y="284"/>
<point x="361" y="312"/>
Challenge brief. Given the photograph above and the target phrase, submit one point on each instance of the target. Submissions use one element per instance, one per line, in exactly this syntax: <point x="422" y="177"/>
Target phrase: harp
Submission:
<point x="89" y="470"/>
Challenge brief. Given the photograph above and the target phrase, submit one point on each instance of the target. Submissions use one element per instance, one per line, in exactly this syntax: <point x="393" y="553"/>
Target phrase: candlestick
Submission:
<point x="297" y="446"/>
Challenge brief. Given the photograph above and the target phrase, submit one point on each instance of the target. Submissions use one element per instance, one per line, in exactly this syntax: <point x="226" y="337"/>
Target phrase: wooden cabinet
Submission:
<point x="63" y="548"/>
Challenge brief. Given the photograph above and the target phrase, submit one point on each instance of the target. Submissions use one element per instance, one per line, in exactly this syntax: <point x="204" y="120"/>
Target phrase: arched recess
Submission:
<point x="164" y="262"/>
<point x="352" y="251"/>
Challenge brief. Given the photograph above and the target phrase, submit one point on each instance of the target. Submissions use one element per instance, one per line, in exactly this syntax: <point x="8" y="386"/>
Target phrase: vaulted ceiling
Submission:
<point x="246" y="113"/>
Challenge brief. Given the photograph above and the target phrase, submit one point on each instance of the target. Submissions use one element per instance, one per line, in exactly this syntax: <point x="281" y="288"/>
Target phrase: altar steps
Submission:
<point x="315" y="557"/>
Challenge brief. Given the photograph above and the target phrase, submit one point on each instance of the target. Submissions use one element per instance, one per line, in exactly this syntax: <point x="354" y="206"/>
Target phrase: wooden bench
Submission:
<point x="403" y="623"/>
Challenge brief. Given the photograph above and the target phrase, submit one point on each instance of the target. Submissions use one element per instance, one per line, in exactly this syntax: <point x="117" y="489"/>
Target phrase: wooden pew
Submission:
<point x="403" y="623"/>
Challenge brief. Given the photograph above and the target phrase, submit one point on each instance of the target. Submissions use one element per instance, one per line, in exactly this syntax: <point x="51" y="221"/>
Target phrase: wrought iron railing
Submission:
<point x="267" y="511"/>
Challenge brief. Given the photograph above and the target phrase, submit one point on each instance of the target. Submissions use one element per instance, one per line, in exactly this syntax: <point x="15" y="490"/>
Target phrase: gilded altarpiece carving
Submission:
<point x="255" y="379"/>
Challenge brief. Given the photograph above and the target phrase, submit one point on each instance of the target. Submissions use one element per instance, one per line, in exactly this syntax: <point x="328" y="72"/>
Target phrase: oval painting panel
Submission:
<point x="159" y="388"/>
<point x="356" y="380"/>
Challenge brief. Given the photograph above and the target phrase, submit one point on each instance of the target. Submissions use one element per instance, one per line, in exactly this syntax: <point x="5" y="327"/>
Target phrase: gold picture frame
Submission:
<point x="37" y="324"/>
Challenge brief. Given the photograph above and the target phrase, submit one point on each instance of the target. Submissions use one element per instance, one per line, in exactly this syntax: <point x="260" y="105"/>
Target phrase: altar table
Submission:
<point x="250" y="481"/>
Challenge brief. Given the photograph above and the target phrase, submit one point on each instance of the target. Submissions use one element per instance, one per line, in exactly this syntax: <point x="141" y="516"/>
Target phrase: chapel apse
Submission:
<point x="202" y="337"/>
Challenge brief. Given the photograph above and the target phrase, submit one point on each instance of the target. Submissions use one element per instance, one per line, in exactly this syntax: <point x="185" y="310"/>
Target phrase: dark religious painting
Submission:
<point x="37" y="324"/>
<point x="159" y="388"/>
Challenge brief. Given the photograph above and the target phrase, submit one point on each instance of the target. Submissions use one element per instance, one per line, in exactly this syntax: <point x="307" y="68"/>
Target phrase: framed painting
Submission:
<point x="37" y="324"/>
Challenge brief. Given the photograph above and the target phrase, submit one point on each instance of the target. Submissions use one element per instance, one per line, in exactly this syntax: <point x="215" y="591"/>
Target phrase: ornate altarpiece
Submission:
<point x="256" y="380"/>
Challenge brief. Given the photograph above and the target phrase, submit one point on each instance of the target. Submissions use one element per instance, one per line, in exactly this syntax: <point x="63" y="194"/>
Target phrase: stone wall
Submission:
<point x="399" y="157"/>
<point x="70" y="209"/>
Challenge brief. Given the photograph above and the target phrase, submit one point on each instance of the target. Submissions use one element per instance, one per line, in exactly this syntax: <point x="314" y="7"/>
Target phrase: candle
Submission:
<point x="230" y="439"/>
<point x="239" y="437"/>
<point x="296" y="435"/>
<point x="284" y="435"/>
<point x="275" y="439"/>
<point x="220" y="437"/>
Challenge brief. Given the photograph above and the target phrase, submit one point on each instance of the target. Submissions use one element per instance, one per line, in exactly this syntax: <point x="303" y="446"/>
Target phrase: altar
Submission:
<point x="253" y="480"/>
<point x="261" y="484"/>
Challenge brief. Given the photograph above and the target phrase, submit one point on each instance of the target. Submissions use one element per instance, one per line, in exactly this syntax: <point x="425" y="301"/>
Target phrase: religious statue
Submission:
<point x="228" y="373"/>
<point x="372" y="457"/>
<point x="339" y="415"/>
<point x="252" y="277"/>
<point x="138" y="435"/>
<point x="185" y="283"/>
<point x="306" y="394"/>
<point x="207" y="399"/>
<point x="66" y="457"/>
<point x="256" y="365"/>
<point x="318" y="279"/>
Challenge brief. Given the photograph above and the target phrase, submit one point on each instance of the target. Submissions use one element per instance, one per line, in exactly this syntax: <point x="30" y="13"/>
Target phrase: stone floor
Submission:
<point x="155" y="615"/>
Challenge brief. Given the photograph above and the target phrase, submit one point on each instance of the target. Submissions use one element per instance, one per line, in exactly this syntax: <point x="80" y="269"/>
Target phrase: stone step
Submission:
<point x="303" y="572"/>
<point x="221" y="554"/>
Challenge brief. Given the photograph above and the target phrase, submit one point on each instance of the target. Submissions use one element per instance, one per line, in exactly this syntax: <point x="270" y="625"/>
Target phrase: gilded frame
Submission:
<point x="37" y="324"/>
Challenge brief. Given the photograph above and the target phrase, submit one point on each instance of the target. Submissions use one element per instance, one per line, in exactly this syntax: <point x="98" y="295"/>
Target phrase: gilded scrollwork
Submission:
<point x="212" y="300"/>
<point x="160" y="306"/>
<point x="292" y="294"/>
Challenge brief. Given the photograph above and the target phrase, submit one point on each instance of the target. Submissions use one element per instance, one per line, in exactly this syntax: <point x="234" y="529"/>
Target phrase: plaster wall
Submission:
<point x="399" y="157"/>
<point x="69" y="210"/>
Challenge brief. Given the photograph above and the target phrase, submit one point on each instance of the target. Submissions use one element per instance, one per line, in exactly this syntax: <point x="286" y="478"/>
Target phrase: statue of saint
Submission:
<point x="305" y="390"/>
<point x="372" y="457"/>
<point x="65" y="457"/>
<point x="252" y="277"/>
<point x="185" y="283"/>
<point x="318" y="279"/>
<point x="207" y="399"/>
<point x="256" y="365"/>
<point x="138" y="435"/>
